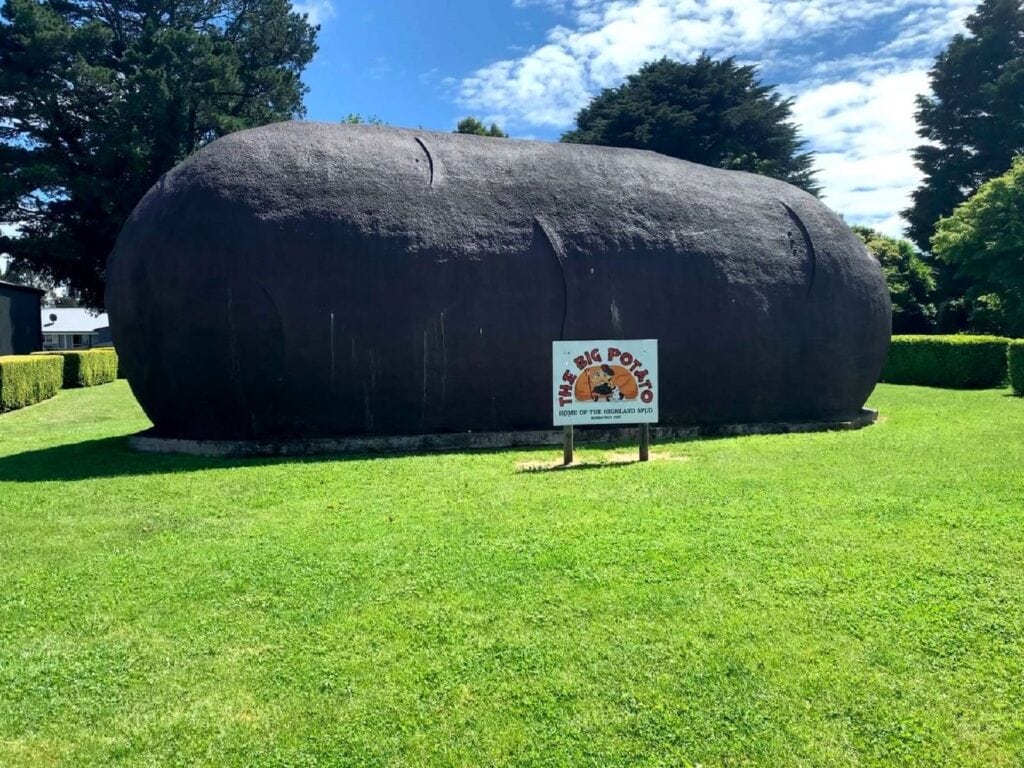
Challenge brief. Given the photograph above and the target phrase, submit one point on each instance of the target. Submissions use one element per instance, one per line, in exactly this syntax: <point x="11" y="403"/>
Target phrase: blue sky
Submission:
<point x="853" y="67"/>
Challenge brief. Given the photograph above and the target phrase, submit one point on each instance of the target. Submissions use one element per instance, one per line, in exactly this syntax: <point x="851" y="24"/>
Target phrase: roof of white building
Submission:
<point x="20" y="287"/>
<point x="72" y="320"/>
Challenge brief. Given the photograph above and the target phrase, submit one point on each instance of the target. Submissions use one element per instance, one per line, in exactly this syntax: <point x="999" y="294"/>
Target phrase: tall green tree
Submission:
<point x="983" y="240"/>
<point x="910" y="280"/>
<point x="973" y="119"/>
<point x="475" y="127"/>
<point x="354" y="118"/>
<point x="98" y="98"/>
<point x="712" y="112"/>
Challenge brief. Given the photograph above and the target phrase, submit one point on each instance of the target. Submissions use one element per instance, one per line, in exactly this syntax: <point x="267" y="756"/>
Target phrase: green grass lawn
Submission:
<point x="846" y="598"/>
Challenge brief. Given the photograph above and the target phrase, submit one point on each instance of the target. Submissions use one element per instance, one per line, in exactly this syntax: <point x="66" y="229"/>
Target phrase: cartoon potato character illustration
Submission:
<point x="601" y="387"/>
<point x="606" y="383"/>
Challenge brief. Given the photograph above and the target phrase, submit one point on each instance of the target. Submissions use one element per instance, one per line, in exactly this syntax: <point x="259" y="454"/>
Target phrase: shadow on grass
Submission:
<point x="532" y="468"/>
<point x="108" y="457"/>
<point x="112" y="457"/>
<point x="610" y="460"/>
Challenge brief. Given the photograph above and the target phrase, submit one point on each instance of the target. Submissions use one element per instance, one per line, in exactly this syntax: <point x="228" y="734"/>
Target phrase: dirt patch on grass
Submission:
<point x="608" y="460"/>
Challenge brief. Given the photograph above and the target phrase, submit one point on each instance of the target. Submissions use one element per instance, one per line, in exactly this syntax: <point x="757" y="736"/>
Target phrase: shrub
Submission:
<point x="88" y="367"/>
<point x="956" y="362"/>
<point x="28" y="379"/>
<point x="1015" y="360"/>
<point x="982" y="239"/>
<point x="911" y="280"/>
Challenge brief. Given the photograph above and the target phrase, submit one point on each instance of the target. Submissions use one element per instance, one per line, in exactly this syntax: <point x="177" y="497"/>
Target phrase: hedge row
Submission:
<point x="1015" y="360"/>
<point x="956" y="362"/>
<point x="28" y="379"/>
<point x="88" y="367"/>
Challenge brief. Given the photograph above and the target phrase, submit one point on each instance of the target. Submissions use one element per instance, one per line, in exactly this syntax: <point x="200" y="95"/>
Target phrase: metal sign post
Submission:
<point x="567" y="445"/>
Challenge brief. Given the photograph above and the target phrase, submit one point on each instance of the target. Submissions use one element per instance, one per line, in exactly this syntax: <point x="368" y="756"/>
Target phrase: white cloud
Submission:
<point x="930" y="25"/>
<point x="544" y="88"/>
<point x="609" y="39"/>
<point x="317" y="11"/>
<point x="863" y="130"/>
<point x="856" y="109"/>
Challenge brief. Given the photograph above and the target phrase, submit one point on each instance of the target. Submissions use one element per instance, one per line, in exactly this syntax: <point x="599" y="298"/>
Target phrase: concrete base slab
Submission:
<point x="473" y="441"/>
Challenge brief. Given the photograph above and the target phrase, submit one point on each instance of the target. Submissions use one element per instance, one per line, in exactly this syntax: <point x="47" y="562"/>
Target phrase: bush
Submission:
<point x="28" y="379"/>
<point x="1015" y="360"/>
<point x="982" y="239"/>
<point x="88" y="367"/>
<point x="956" y="362"/>
<point x="910" y="279"/>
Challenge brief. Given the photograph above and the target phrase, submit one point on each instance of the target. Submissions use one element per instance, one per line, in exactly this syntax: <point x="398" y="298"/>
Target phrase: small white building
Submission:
<point x="74" y="328"/>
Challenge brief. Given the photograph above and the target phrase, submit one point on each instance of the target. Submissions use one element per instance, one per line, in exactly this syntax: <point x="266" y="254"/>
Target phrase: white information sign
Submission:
<point x="605" y="382"/>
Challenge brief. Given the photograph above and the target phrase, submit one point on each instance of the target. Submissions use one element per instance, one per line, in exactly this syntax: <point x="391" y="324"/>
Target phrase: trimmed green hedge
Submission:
<point x="88" y="367"/>
<point x="28" y="379"/>
<point x="1015" y="362"/>
<point x="955" y="362"/>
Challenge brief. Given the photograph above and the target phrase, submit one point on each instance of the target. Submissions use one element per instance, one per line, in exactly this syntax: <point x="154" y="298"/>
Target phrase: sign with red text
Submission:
<point x="605" y="382"/>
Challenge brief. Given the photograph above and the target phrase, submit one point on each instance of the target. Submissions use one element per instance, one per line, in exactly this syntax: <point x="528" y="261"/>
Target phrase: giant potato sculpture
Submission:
<point x="304" y="280"/>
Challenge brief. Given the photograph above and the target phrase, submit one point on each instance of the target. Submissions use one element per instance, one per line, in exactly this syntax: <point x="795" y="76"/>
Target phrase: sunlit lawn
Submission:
<point x="846" y="598"/>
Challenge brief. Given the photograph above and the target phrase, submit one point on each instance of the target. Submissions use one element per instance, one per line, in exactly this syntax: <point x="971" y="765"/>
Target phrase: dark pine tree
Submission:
<point x="711" y="112"/>
<point x="99" y="98"/>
